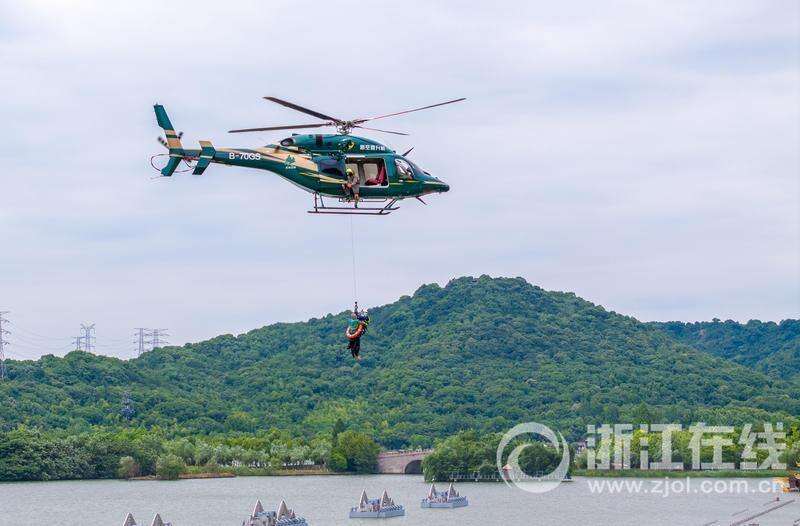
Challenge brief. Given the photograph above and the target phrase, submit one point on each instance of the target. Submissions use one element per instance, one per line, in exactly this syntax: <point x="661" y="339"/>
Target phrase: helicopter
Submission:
<point x="319" y="163"/>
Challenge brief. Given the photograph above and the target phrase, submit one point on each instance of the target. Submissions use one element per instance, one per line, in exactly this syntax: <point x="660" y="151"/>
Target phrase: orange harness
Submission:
<point x="354" y="335"/>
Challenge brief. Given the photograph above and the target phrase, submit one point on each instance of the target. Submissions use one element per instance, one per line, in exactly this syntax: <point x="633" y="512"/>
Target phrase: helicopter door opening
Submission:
<point x="371" y="172"/>
<point x="331" y="166"/>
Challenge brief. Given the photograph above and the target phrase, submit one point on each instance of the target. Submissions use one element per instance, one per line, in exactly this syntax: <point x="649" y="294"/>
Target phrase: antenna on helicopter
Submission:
<point x="342" y="126"/>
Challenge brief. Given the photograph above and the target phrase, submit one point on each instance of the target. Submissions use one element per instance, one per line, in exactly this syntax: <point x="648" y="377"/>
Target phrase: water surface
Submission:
<point x="325" y="500"/>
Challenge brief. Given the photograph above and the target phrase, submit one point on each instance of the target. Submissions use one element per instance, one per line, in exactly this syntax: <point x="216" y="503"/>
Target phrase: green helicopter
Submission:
<point x="326" y="165"/>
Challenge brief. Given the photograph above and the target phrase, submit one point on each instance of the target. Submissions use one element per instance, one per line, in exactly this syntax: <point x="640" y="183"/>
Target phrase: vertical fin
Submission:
<point x="173" y="140"/>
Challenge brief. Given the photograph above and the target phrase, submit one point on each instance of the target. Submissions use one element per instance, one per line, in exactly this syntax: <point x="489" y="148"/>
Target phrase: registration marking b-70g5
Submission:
<point x="246" y="156"/>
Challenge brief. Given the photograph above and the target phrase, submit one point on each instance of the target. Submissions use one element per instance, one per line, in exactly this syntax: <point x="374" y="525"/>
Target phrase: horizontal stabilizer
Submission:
<point x="207" y="152"/>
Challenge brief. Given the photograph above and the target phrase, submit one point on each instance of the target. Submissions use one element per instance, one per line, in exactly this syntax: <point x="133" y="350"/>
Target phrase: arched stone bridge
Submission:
<point x="402" y="462"/>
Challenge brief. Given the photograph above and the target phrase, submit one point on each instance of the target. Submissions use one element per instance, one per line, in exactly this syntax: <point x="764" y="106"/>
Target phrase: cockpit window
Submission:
<point x="404" y="171"/>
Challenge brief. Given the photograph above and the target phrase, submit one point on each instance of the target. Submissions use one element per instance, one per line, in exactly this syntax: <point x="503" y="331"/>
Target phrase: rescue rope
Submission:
<point x="353" y="252"/>
<point x="157" y="169"/>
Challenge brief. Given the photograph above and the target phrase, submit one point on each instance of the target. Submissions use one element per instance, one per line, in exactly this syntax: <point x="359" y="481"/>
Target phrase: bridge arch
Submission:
<point x="402" y="462"/>
<point x="413" y="468"/>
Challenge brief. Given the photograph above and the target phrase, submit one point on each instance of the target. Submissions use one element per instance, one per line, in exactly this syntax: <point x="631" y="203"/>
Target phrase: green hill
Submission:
<point x="479" y="354"/>
<point x="773" y="348"/>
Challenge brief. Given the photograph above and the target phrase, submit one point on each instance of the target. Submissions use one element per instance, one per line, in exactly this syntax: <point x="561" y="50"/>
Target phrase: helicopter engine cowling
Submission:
<point x="334" y="143"/>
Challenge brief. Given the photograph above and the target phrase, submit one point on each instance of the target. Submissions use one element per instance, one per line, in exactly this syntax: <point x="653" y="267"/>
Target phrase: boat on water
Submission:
<point x="444" y="499"/>
<point x="157" y="521"/>
<point x="283" y="516"/>
<point x="381" y="508"/>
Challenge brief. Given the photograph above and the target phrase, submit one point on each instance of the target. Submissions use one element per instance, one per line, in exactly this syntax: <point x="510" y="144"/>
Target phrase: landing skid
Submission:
<point x="321" y="208"/>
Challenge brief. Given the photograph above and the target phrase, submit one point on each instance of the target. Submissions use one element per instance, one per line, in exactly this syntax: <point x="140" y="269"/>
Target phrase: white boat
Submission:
<point x="157" y="521"/>
<point x="381" y="508"/>
<point x="444" y="499"/>
<point x="283" y="516"/>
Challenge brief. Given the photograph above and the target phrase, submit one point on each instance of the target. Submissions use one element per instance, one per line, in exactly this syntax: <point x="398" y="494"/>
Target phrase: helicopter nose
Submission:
<point x="444" y="187"/>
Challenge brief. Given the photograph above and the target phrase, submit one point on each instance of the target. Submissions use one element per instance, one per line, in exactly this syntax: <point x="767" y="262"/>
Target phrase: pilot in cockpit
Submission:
<point x="404" y="171"/>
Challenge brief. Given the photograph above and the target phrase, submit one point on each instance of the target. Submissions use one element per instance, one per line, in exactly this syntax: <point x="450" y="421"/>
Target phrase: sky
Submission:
<point x="643" y="155"/>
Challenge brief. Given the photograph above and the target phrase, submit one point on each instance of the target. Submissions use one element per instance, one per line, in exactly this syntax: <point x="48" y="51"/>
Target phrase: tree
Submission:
<point x="791" y="457"/>
<point x="338" y="428"/>
<point x="204" y="452"/>
<point x="170" y="467"/>
<point x="359" y="451"/>
<point x="553" y="355"/>
<point x="538" y="458"/>
<point x="182" y="448"/>
<point x="337" y="461"/>
<point x="128" y="468"/>
<point x="466" y="453"/>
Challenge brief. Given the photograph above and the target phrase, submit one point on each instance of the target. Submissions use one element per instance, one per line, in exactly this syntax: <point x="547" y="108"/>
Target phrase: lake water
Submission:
<point x="325" y="500"/>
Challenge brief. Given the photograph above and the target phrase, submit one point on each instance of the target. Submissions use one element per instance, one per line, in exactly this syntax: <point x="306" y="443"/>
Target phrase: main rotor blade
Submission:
<point x="377" y="130"/>
<point x="304" y="110"/>
<point x="295" y="127"/>
<point x="359" y="121"/>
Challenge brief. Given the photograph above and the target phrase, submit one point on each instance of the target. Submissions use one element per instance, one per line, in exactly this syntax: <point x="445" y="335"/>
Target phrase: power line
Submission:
<point x="32" y="346"/>
<point x="17" y="354"/>
<point x="34" y="335"/>
<point x="24" y="341"/>
<point x="3" y="343"/>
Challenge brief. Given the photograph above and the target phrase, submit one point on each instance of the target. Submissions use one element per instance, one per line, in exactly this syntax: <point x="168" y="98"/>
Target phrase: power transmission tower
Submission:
<point x="78" y="341"/>
<point x="159" y="337"/>
<point x="143" y="339"/>
<point x="3" y="343"/>
<point x="88" y="336"/>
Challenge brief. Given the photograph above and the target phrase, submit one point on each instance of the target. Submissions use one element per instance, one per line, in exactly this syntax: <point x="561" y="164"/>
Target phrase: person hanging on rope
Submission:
<point x="357" y="326"/>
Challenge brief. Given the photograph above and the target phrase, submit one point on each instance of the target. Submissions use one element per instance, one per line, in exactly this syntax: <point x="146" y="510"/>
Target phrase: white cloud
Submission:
<point x="643" y="155"/>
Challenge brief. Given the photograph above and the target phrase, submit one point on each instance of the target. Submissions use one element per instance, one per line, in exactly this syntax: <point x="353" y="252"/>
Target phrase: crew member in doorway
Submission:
<point x="351" y="186"/>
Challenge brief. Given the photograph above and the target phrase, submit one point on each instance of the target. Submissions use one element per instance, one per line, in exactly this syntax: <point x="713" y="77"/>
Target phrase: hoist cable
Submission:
<point x="353" y="252"/>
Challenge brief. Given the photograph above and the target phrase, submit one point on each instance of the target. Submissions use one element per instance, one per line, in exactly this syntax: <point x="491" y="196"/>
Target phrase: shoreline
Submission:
<point x="637" y="473"/>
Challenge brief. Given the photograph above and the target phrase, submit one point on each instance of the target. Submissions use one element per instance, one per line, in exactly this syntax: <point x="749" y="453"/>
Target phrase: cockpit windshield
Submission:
<point x="409" y="171"/>
<point x="421" y="174"/>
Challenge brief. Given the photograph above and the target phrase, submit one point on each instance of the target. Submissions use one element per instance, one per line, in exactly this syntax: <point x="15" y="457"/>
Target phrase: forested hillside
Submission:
<point x="480" y="354"/>
<point x="773" y="348"/>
